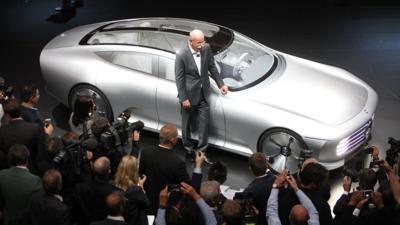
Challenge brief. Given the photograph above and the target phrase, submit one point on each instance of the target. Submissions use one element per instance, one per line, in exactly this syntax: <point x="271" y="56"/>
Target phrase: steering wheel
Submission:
<point x="240" y="66"/>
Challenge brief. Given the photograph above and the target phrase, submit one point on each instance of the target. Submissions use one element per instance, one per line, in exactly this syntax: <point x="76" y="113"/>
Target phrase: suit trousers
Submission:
<point x="202" y="110"/>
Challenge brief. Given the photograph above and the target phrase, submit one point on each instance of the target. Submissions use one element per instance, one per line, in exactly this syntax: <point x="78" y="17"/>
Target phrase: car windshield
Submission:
<point x="244" y="63"/>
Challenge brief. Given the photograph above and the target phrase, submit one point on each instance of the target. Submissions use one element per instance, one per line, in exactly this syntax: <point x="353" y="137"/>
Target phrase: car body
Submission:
<point x="278" y="103"/>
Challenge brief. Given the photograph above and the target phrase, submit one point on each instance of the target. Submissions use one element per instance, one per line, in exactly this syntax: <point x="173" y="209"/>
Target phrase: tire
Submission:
<point x="103" y="106"/>
<point x="268" y="144"/>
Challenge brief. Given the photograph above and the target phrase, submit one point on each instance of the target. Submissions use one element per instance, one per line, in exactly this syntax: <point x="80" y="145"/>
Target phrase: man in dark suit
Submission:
<point x="48" y="208"/>
<point x="115" y="204"/>
<point x="162" y="166"/>
<point x="90" y="196"/>
<point x="260" y="188"/>
<point x="17" y="185"/>
<point x="192" y="65"/>
<point x="20" y="132"/>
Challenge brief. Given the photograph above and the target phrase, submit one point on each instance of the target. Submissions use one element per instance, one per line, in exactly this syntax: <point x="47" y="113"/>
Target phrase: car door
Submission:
<point x="169" y="109"/>
<point x="129" y="81"/>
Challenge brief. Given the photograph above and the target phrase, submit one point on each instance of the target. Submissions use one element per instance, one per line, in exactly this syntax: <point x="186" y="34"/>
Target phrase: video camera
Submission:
<point x="120" y="131"/>
<point x="245" y="201"/>
<point x="392" y="154"/>
<point x="7" y="91"/>
<point x="70" y="158"/>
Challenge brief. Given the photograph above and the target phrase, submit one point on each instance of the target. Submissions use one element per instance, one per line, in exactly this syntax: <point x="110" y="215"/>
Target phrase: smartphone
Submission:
<point x="367" y="193"/>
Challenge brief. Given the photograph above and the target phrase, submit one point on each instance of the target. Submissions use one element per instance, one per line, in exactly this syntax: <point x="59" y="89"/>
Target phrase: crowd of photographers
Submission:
<point x="97" y="174"/>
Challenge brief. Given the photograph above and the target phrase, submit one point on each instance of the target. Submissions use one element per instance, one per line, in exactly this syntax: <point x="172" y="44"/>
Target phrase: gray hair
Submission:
<point x="209" y="190"/>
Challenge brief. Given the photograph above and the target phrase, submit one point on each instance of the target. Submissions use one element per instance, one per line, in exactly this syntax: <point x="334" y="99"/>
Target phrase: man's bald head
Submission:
<point x="168" y="135"/>
<point x="298" y="215"/>
<point x="196" y="39"/>
<point x="115" y="203"/>
<point x="101" y="166"/>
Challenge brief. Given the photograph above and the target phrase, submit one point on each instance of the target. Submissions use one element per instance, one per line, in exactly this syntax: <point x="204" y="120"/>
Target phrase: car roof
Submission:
<point x="218" y="37"/>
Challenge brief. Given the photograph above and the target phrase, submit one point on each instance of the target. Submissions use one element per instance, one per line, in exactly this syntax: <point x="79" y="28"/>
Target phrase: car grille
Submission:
<point x="355" y="139"/>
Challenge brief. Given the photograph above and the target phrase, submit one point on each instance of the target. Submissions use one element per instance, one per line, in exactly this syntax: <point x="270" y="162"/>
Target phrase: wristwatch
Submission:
<point x="274" y="186"/>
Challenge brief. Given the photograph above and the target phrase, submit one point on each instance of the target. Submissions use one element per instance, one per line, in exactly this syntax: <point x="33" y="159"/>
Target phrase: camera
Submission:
<point x="120" y="131"/>
<point x="367" y="193"/>
<point x="174" y="188"/>
<point x="304" y="155"/>
<point x="352" y="173"/>
<point x="7" y="91"/>
<point x="245" y="201"/>
<point x="392" y="154"/>
<point x="70" y="158"/>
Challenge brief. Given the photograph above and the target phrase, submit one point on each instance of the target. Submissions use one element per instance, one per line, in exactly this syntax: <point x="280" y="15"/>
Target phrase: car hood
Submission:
<point x="319" y="92"/>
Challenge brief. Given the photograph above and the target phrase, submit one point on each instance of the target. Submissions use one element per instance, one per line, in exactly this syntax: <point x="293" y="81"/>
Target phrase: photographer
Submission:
<point x="260" y="187"/>
<point x="81" y="118"/>
<point x="6" y="92"/>
<point x="165" y="213"/>
<point x="299" y="214"/>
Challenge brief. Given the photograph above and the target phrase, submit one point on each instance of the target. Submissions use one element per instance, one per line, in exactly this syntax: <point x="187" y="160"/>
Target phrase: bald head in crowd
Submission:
<point x="101" y="167"/>
<point x="299" y="215"/>
<point x="115" y="203"/>
<point x="168" y="135"/>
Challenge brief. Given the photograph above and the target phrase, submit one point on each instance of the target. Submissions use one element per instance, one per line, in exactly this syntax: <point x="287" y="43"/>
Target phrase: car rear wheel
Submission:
<point x="103" y="106"/>
<point x="283" y="147"/>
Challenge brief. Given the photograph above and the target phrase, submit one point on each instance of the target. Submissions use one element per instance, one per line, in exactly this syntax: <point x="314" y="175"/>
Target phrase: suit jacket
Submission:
<point x="108" y="222"/>
<point x="90" y="200"/>
<point x="260" y="188"/>
<point x="17" y="185"/>
<point x="188" y="79"/>
<point x="46" y="209"/>
<point x="21" y="132"/>
<point x="322" y="206"/>
<point x="161" y="166"/>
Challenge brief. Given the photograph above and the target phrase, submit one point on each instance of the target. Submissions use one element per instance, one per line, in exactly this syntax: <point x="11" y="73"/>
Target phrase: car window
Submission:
<point x="166" y="68"/>
<point x="136" y="61"/>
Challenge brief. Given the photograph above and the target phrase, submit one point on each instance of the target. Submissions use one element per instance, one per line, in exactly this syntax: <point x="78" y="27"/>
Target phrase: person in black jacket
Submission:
<point x="48" y="208"/>
<point x="261" y="186"/>
<point x="90" y="196"/>
<point x="19" y="131"/>
<point x="116" y="206"/>
<point x="162" y="166"/>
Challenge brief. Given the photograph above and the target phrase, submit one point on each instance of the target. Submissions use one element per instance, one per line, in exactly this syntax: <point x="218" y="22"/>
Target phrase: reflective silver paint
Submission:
<point x="323" y="104"/>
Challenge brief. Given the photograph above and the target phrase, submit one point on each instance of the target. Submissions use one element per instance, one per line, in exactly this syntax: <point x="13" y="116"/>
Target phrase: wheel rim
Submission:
<point x="101" y="105"/>
<point x="271" y="146"/>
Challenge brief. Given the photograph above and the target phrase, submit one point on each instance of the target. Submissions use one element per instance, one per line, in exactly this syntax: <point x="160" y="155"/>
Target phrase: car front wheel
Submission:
<point x="283" y="148"/>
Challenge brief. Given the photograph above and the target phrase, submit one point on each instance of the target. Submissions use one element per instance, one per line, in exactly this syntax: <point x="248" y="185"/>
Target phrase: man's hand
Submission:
<point x="187" y="189"/>
<point x="186" y="104"/>
<point x="164" y="196"/>
<point x="199" y="159"/>
<point x="387" y="167"/>
<point x="356" y="197"/>
<point x="346" y="183"/>
<point x="49" y="129"/>
<point x="377" y="200"/>
<point x="375" y="151"/>
<point x="88" y="155"/>
<point x="136" y="135"/>
<point x="224" y="89"/>
<point x="142" y="180"/>
<point x="293" y="183"/>
<point x="281" y="179"/>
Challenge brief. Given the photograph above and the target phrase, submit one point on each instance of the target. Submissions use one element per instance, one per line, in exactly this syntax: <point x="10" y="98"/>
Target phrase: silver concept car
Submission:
<point x="278" y="104"/>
